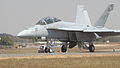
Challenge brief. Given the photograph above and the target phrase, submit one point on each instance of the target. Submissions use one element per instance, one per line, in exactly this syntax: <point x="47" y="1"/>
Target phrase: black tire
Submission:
<point x="64" y="48"/>
<point x="91" y="48"/>
<point x="46" y="50"/>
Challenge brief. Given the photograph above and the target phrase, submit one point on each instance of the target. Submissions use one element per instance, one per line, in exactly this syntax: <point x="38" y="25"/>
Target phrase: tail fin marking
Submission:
<point x="102" y="20"/>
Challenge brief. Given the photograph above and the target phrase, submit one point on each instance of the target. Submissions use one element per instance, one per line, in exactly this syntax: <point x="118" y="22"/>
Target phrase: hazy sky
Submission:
<point x="17" y="15"/>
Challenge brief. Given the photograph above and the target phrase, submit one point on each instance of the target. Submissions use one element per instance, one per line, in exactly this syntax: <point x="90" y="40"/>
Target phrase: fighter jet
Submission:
<point x="79" y="33"/>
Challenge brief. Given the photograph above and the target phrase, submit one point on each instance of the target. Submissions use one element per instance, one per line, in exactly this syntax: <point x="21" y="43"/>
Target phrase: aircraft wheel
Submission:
<point x="46" y="50"/>
<point x="51" y="51"/>
<point x="91" y="48"/>
<point x="64" y="48"/>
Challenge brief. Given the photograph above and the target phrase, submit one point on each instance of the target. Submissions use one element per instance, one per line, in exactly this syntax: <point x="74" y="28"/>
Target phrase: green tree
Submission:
<point x="5" y="40"/>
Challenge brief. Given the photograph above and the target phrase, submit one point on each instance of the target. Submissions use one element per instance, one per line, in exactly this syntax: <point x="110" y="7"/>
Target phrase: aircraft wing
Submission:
<point x="100" y="30"/>
<point x="97" y="32"/>
<point x="86" y="30"/>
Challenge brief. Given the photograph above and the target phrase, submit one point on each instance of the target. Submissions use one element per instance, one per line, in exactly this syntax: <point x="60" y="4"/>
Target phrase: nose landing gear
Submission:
<point x="48" y="50"/>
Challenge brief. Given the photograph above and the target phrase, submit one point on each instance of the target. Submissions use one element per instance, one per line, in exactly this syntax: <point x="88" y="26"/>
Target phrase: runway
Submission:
<point x="58" y="55"/>
<point x="101" y="50"/>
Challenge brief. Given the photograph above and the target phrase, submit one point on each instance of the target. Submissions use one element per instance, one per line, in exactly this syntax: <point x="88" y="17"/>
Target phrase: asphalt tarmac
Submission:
<point x="101" y="50"/>
<point x="53" y="54"/>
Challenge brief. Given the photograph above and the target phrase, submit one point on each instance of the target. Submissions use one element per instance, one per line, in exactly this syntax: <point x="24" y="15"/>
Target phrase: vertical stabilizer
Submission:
<point x="87" y="19"/>
<point x="102" y="20"/>
<point x="82" y="17"/>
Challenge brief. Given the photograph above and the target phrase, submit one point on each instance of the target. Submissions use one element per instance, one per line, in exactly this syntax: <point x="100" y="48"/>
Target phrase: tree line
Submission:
<point x="6" y="40"/>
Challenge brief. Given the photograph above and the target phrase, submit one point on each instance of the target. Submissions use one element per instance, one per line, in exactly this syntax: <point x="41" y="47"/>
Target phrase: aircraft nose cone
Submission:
<point x="36" y="31"/>
<point x="24" y="33"/>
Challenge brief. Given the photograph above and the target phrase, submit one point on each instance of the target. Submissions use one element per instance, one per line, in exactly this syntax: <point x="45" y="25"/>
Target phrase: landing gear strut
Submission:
<point x="86" y="45"/>
<point x="44" y="49"/>
<point x="47" y="48"/>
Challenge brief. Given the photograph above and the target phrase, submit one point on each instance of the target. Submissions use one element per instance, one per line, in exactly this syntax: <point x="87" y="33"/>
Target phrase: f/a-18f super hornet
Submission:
<point x="72" y="33"/>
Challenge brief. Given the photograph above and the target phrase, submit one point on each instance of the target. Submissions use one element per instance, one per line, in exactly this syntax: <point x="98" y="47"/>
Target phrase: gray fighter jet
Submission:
<point x="72" y="33"/>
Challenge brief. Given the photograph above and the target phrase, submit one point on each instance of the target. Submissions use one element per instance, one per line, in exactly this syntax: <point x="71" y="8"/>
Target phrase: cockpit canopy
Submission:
<point x="48" y="20"/>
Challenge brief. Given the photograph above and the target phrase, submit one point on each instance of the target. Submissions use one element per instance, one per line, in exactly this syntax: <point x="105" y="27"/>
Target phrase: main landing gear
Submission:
<point x="87" y="45"/>
<point x="64" y="47"/>
<point x="91" y="48"/>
